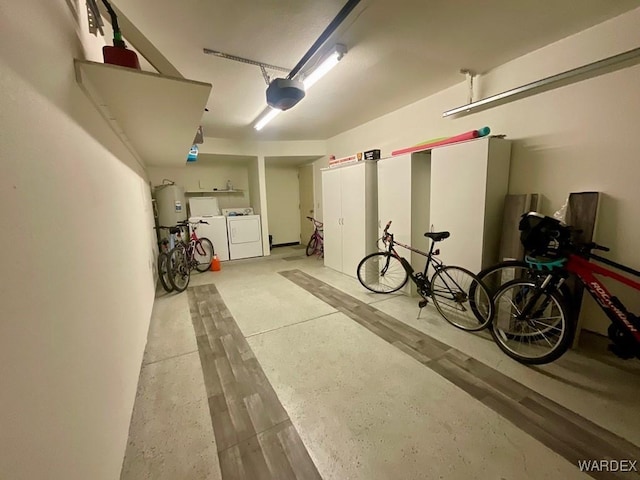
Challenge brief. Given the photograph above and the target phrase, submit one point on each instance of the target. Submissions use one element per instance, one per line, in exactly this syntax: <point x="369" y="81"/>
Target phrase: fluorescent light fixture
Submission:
<point x="590" y="70"/>
<point x="266" y="118"/>
<point x="328" y="63"/>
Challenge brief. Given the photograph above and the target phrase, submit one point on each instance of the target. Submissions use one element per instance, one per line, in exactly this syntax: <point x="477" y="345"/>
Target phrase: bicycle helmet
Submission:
<point x="544" y="236"/>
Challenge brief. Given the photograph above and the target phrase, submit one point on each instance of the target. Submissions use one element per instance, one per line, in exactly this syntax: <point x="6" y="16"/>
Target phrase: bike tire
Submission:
<point x="179" y="269"/>
<point x="163" y="272"/>
<point x="497" y="275"/>
<point x="379" y="266"/>
<point x="203" y="252"/>
<point x="452" y="297"/>
<point x="557" y="324"/>
<point x="311" y="246"/>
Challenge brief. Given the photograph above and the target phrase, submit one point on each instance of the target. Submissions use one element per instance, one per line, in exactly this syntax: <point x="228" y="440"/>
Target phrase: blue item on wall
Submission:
<point x="193" y="154"/>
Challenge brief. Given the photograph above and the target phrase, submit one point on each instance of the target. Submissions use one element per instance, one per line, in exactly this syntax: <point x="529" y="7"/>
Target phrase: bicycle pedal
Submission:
<point x="621" y="352"/>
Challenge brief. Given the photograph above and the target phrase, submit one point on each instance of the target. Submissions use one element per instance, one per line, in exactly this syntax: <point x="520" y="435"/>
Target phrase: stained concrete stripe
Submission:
<point x="254" y="435"/>
<point x="563" y="431"/>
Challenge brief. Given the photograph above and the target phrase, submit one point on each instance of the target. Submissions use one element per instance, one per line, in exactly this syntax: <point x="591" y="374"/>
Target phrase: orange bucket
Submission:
<point x="215" y="264"/>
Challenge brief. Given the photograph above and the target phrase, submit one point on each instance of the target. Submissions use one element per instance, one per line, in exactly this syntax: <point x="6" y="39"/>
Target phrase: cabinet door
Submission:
<point x="353" y="218"/>
<point x="332" y="218"/>
<point x="458" y="192"/>
<point x="394" y="196"/>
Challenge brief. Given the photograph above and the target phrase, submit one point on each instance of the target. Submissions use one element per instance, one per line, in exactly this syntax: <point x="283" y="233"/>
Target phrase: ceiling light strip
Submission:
<point x="266" y="118"/>
<point x="324" y="68"/>
<point x="554" y="81"/>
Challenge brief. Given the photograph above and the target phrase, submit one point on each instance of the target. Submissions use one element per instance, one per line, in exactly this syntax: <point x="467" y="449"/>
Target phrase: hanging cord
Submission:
<point x="117" y="34"/>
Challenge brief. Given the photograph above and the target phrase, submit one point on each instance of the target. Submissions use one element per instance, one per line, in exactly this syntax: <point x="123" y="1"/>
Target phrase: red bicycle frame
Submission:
<point x="611" y="305"/>
<point x="193" y="243"/>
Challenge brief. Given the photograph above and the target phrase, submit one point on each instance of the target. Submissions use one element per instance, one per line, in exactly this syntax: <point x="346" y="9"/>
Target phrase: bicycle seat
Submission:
<point x="174" y="230"/>
<point x="437" y="236"/>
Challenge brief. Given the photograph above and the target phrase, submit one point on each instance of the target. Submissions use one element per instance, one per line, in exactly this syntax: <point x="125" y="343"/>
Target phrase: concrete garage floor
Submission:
<point x="301" y="387"/>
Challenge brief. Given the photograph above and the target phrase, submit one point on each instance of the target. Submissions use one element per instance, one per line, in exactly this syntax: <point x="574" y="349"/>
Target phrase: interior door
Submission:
<point x="305" y="175"/>
<point x="353" y="218"/>
<point x="332" y="205"/>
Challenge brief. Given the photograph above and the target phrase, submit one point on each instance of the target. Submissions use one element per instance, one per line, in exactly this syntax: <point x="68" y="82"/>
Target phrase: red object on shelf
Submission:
<point x="457" y="138"/>
<point x="120" y="56"/>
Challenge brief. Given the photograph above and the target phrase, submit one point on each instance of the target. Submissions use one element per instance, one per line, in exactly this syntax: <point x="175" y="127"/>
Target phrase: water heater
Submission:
<point x="171" y="205"/>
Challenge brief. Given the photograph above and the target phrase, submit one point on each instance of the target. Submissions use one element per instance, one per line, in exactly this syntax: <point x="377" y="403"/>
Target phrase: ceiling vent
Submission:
<point x="283" y="93"/>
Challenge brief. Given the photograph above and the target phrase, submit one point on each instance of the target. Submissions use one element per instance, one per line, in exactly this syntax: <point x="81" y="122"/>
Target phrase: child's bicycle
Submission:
<point x="316" y="242"/>
<point x="184" y="257"/>
<point x="448" y="287"/>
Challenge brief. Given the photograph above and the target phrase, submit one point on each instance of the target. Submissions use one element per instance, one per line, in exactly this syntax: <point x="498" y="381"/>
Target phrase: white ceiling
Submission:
<point x="398" y="51"/>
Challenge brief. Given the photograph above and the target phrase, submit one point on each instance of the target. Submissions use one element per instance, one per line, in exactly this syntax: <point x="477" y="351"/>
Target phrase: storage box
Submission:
<point x="372" y="155"/>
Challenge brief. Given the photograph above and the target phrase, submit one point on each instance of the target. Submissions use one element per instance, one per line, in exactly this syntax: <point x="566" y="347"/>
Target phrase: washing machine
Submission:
<point x="215" y="230"/>
<point x="245" y="233"/>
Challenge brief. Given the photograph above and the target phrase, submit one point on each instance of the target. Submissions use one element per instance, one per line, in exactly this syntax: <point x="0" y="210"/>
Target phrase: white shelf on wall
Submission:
<point x="156" y="116"/>
<point x="213" y="191"/>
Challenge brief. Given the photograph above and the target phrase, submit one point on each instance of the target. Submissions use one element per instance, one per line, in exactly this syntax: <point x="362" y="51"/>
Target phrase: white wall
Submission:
<point x="254" y="186"/>
<point x="318" y="165"/>
<point x="283" y="200"/>
<point x="258" y="191"/>
<point x="77" y="282"/>
<point x="195" y="177"/>
<point x="581" y="137"/>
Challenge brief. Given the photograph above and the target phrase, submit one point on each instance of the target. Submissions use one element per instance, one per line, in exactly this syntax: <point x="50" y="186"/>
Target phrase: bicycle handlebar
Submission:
<point x="180" y="224"/>
<point x="595" y="246"/>
<point x="387" y="227"/>
<point x="317" y="223"/>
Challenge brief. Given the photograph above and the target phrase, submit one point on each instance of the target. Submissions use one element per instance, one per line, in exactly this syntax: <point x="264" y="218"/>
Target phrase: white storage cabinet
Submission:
<point x="469" y="182"/>
<point x="349" y="198"/>
<point x="403" y="197"/>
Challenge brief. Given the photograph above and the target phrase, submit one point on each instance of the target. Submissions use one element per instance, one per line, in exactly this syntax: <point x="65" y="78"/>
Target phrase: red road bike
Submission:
<point x="533" y="322"/>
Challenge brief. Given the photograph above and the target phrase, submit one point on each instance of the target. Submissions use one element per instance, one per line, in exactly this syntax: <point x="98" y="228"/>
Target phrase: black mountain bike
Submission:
<point x="449" y="286"/>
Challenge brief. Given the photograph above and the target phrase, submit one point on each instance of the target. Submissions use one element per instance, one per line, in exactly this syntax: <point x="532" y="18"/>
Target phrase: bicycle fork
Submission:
<point x="527" y="310"/>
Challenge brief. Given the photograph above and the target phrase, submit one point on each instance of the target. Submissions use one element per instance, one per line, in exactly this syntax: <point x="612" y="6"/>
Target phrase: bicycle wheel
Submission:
<point x="203" y="254"/>
<point x="163" y="271"/>
<point x="543" y="335"/>
<point x="451" y="293"/>
<point x="497" y="275"/>
<point x="503" y="272"/>
<point x="179" y="271"/>
<point x="381" y="272"/>
<point x="311" y="246"/>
